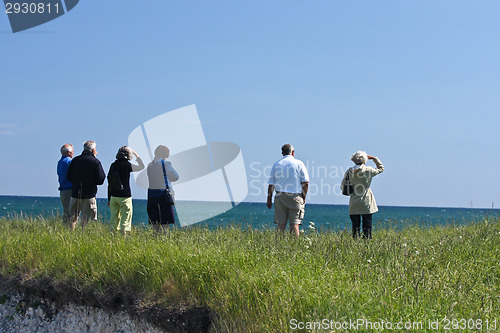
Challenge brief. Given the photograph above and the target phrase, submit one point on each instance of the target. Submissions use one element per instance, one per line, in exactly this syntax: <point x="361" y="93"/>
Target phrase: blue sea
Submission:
<point x="257" y="215"/>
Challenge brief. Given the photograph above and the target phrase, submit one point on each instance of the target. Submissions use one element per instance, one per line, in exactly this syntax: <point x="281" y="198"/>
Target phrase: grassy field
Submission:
<point x="417" y="279"/>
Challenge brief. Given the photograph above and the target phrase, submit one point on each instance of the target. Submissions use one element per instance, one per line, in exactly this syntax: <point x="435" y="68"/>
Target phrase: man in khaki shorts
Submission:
<point x="290" y="180"/>
<point x="85" y="172"/>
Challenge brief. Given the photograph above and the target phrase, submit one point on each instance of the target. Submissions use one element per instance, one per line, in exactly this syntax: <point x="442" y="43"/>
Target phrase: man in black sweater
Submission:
<point x="85" y="172"/>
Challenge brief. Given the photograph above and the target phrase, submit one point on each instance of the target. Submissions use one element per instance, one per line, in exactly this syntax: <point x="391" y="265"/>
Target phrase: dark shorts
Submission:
<point x="159" y="212"/>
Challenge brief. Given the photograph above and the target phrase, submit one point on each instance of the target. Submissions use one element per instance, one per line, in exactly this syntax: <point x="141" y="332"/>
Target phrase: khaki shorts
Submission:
<point x="88" y="208"/>
<point x="288" y="207"/>
<point x="65" y="199"/>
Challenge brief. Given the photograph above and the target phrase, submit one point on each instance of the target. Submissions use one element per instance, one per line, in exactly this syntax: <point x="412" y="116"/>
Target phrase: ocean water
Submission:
<point x="257" y="215"/>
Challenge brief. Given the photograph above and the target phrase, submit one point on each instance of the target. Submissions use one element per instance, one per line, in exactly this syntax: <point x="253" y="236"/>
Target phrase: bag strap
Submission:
<point x="347" y="177"/>
<point x="164" y="173"/>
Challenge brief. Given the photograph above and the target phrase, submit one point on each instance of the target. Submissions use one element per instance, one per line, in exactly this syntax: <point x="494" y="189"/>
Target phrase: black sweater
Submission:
<point x="85" y="173"/>
<point x="124" y="168"/>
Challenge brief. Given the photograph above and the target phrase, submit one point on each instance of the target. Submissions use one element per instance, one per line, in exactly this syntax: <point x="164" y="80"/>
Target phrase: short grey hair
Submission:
<point x="359" y="157"/>
<point x="89" y="145"/>
<point x="66" y="149"/>
<point x="287" y="149"/>
<point x="124" y="152"/>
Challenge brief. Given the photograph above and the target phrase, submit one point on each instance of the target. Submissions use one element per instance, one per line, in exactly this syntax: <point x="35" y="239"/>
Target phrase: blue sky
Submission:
<point x="414" y="83"/>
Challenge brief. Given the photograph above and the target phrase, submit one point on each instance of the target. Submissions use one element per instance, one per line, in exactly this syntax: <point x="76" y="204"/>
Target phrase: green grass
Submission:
<point x="259" y="282"/>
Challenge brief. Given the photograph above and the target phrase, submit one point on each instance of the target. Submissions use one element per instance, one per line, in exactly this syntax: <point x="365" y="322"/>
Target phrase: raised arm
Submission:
<point x="380" y="166"/>
<point x="140" y="164"/>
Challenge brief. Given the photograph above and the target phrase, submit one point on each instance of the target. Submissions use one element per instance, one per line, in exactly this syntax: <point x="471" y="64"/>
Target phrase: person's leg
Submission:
<point x="126" y="211"/>
<point x="295" y="229"/>
<point x="65" y="199"/>
<point x="74" y="211"/>
<point x="160" y="215"/>
<point x="167" y="217"/>
<point x="296" y="209"/>
<point x="166" y="228"/>
<point x="367" y="226"/>
<point x="114" y="207"/>
<point x="281" y="227"/>
<point x="153" y="208"/>
<point x="89" y="210"/>
<point x="86" y="212"/>
<point x="356" y="223"/>
<point x="280" y="212"/>
<point x="169" y="214"/>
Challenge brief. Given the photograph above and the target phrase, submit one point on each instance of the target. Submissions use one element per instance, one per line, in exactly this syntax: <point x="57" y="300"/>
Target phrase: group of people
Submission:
<point x="80" y="176"/>
<point x="288" y="181"/>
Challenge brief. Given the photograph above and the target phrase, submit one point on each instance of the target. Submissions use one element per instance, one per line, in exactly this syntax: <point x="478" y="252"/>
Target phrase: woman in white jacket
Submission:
<point x="362" y="202"/>
<point x="160" y="173"/>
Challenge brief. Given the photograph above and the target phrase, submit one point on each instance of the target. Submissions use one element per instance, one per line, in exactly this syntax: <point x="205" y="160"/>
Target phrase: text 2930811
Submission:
<point x="31" y="8"/>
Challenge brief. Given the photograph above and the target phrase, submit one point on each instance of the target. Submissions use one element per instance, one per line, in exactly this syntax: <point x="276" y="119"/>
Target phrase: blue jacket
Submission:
<point x="62" y="170"/>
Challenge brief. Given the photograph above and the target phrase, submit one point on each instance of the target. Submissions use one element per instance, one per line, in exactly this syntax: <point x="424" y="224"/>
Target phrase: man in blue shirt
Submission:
<point x="64" y="184"/>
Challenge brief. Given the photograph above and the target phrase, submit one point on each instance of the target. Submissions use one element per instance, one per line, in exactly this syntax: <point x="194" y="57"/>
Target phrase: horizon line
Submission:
<point x="263" y="203"/>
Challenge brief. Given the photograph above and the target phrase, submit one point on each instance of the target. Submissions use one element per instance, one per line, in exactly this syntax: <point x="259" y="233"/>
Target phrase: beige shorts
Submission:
<point x="288" y="207"/>
<point x="88" y="208"/>
<point x="65" y="199"/>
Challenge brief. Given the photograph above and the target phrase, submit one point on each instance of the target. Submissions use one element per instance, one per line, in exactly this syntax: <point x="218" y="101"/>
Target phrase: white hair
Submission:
<point x="66" y="149"/>
<point x="359" y="157"/>
<point x="89" y="145"/>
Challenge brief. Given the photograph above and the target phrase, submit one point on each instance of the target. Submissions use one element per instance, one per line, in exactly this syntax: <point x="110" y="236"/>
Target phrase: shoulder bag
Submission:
<point x="168" y="195"/>
<point x="347" y="189"/>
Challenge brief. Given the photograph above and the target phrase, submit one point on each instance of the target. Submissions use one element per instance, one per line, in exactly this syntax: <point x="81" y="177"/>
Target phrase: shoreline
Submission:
<point x="263" y="203"/>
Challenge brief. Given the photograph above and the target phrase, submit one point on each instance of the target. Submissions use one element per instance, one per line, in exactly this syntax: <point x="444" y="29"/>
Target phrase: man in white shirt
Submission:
<point x="290" y="180"/>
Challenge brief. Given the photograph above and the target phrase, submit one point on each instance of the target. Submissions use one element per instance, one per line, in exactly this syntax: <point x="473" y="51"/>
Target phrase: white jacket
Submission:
<point x="362" y="201"/>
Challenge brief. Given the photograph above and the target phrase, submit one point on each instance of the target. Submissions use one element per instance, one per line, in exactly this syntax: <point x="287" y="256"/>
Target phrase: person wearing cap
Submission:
<point x="290" y="180"/>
